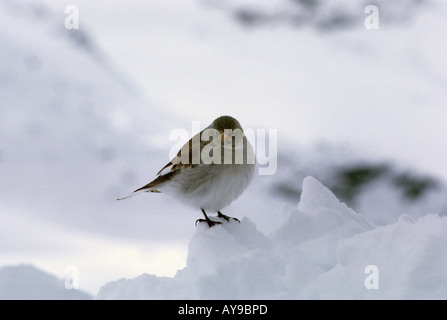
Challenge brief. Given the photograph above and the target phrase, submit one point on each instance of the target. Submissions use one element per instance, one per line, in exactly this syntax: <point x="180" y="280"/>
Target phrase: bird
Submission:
<point x="210" y="171"/>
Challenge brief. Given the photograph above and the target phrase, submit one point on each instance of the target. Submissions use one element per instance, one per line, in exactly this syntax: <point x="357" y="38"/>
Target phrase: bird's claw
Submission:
<point x="210" y="222"/>
<point x="224" y="216"/>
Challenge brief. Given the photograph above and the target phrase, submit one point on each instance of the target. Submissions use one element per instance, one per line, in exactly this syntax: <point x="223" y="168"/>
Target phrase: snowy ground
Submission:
<point x="321" y="250"/>
<point x="25" y="282"/>
<point x="76" y="133"/>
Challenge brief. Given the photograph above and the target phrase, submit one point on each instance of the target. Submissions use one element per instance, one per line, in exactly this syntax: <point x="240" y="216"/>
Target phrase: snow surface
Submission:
<point x="319" y="251"/>
<point x="72" y="130"/>
<point x="26" y="282"/>
<point x="379" y="198"/>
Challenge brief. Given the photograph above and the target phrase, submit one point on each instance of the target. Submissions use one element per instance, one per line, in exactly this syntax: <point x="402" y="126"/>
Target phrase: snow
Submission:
<point x="69" y="119"/>
<point x="320" y="251"/>
<point x="26" y="282"/>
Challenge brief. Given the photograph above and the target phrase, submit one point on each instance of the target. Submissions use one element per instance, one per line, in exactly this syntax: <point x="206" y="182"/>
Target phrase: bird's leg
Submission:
<point x="221" y="215"/>
<point x="210" y="222"/>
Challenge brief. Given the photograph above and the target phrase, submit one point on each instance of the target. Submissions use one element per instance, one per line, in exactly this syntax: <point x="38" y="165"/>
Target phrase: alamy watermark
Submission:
<point x="229" y="147"/>
<point x="72" y="20"/>
<point x="372" y="20"/>
<point x="72" y="277"/>
<point x="372" y="280"/>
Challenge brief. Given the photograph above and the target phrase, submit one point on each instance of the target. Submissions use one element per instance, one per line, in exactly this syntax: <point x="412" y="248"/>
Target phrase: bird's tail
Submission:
<point x="127" y="197"/>
<point x="138" y="191"/>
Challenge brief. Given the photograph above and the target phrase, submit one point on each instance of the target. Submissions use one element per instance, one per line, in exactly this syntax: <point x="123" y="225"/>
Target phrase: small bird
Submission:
<point x="210" y="171"/>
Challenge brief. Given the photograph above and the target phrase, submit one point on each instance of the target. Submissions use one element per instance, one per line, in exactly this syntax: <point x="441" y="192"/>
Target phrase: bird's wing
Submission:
<point x="151" y="186"/>
<point x="185" y="157"/>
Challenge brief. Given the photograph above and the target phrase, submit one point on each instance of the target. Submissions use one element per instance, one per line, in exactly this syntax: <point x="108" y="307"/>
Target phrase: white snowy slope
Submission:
<point x="322" y="15"/>
<point x="321" y="250"/>
<point x="72" y="130"/>
<point x="378" y="188"/>
<point x="74" y="136"/>
<point x="27" y="282"/>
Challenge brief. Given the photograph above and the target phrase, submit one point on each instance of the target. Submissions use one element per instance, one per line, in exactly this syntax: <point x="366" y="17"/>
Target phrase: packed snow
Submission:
<point x="321" y="250"/>
<point x="26" y="282"/>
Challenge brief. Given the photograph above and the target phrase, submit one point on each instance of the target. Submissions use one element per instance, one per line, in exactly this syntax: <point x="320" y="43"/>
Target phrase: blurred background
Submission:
<point x="86" y="116"/>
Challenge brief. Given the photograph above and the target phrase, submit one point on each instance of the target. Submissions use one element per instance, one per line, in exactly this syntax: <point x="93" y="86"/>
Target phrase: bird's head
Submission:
<point x="227" y="127"/>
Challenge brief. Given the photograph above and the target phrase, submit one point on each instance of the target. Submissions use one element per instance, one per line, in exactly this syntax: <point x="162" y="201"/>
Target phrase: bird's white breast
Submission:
<point x="211" y="187"/>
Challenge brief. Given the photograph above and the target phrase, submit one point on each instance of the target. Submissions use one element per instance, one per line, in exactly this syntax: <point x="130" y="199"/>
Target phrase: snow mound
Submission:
<point x="322" y="250"/>
<point x="26" y="282"/>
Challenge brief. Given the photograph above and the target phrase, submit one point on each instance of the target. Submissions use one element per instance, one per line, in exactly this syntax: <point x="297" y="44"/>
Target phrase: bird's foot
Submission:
<point x="210" y="222"/>
<point x="224" y="216"/>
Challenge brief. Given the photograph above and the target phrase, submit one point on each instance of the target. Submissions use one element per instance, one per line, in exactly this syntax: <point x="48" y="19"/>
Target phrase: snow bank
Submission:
<point x="27" y="282"/>
<point x="321" y="249"/>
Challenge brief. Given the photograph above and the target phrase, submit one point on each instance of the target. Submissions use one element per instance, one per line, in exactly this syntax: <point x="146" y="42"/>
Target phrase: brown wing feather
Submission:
<point x="166" y="166"/>
<point x="160" y="179"/>
<point x="176" y="164"/>
<point x="188" y="149"/>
